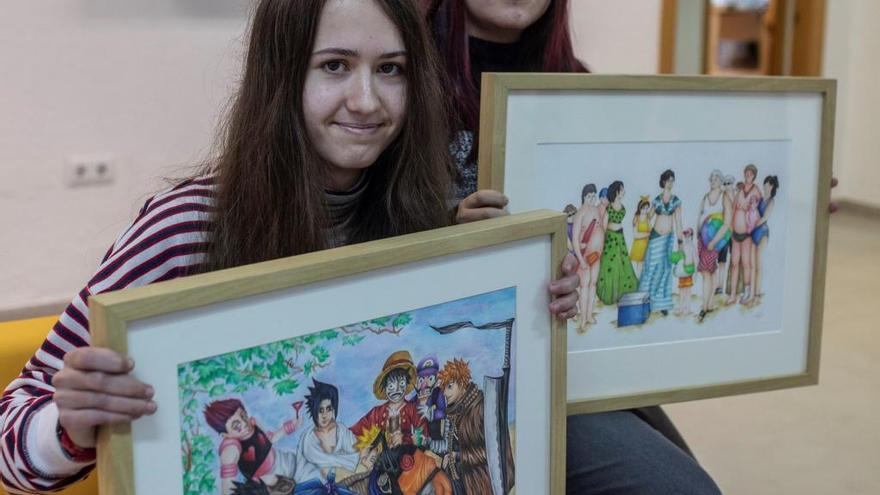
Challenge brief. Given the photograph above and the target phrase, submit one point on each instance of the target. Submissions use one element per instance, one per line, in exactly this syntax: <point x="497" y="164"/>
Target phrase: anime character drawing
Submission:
<point x="641" y="231"/>
<point x="466" y="458"/>
<point x="616" y="274"/>
<point x="588" y="240"/>
<point x="666" y="215"/>
<point x="713" y="228"/>
<point x="406" y="470"/>
<point x="326" y="446"/>
<point x="745" y="219"/>
<point x="246" y="449"/>
<point x="684" y="269"/>
<point x="429" y="397"/>
<point x="398" y="419"/>
<point x="761" y="233"/>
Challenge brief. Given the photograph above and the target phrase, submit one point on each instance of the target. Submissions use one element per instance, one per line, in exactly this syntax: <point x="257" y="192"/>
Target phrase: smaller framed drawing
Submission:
<point x="407" y="365"/>
<point x="698" y="212"/>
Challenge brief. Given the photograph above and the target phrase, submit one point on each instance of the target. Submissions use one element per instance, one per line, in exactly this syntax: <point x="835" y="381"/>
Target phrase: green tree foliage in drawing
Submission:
<point x="279" y="366"/>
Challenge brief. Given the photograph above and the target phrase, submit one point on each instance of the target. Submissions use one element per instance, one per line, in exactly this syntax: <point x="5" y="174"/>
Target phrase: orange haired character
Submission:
<point x="465" y="459"/>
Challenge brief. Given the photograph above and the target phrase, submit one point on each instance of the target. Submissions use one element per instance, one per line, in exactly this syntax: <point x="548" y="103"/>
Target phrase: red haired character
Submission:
<point x="245" y="448"/>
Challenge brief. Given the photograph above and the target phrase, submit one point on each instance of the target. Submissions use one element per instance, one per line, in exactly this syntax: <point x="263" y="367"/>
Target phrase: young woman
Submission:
<point x="336" y="136"/>
<point x="745" y="219"/>
<point x="614" y="452"/>
<point x="616" y="274"/>
<point x="761" y="233"/>
<point x="666" y="229"/>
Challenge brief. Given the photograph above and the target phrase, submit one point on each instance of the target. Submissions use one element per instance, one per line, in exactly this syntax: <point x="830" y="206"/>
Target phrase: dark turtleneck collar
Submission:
<point x="488" y="56"/>
<point x="342" y="206"/>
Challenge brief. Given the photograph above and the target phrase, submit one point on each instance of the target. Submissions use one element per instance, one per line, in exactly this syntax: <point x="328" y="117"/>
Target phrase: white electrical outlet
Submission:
<point x="89" y="170"/>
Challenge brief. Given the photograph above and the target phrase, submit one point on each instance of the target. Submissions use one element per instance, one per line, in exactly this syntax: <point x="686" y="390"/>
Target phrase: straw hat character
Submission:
<point x="399" y="360"/>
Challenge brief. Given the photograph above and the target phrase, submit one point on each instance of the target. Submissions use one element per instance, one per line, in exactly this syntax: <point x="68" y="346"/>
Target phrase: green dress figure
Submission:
<point x="616" y="274"/>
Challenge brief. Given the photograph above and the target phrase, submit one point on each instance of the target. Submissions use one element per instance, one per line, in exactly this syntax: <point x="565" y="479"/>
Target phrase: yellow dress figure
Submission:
<point x="642" y="231"/>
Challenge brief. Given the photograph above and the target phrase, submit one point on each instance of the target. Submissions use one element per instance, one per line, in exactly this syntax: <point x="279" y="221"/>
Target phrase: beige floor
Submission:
<point x="816" y="440"/>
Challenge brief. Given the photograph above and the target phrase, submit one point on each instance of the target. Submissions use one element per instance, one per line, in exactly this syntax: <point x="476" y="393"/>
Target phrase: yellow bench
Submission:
<point x="18" y="341"/>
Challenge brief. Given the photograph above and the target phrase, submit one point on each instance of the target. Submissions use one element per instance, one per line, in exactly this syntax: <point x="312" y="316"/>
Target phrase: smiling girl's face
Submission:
<point x="354" y="100"/>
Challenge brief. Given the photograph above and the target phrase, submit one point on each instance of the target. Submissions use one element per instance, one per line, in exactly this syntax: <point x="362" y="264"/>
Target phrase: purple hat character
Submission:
<point x="428" y="366"/>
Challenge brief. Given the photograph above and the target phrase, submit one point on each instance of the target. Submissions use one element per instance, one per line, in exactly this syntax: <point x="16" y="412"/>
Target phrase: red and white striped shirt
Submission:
<point x="168" y="239"/>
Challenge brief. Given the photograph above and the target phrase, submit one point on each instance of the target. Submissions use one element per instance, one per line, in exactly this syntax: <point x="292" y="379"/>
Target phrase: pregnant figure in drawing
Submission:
<point x="588" y="241"/>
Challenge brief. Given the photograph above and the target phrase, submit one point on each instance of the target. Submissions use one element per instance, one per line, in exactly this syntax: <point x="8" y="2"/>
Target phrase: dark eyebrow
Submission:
<point x="345" y="52"/>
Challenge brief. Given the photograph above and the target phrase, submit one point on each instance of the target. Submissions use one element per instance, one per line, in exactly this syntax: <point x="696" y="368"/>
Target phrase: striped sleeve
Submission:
<point x="168" y="239"/>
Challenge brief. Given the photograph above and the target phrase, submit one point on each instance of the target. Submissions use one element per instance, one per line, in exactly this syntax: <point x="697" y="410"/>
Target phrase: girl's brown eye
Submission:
<point x="390" y="69"/>
<point x="333" y="66"/>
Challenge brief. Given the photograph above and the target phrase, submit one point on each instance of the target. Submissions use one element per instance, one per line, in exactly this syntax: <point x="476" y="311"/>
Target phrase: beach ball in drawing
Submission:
<point x="710" y="228"/>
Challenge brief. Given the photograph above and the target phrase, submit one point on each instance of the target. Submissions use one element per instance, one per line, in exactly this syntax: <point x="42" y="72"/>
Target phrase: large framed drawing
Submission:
<point x="698" y="211"/>
<point x="388" y="365"/>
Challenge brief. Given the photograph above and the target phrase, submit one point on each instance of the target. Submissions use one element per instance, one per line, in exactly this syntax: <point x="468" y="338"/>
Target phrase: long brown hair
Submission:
<point x="271" y="199"/>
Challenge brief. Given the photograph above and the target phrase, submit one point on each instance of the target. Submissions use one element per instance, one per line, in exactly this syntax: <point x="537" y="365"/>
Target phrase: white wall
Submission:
<point x="852" y="42"/>
<point x="142" y="81"/>
<point x="618" y="36"/>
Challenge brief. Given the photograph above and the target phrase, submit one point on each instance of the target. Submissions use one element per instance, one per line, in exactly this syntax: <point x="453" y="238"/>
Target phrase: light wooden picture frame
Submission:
<point x="544" y="137"/>
<point x="348" y="317"/>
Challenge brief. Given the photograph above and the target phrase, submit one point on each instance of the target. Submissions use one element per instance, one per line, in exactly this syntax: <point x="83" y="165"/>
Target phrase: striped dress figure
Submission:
<point x="657" y="275"/>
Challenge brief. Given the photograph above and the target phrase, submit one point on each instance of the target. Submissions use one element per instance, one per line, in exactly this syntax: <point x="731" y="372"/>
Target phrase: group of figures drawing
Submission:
<point x="724" y="246"/>
<point x="427" y="436"/>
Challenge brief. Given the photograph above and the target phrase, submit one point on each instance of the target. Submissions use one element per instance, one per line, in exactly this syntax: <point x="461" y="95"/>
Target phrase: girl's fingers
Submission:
<point x="97" y="359"/>
<point x="77" y="399"/>
<point x="486" y="197"/>
<point x="474" y="214"/>
<point x="565" y="285"/>
<point x="570" y="264"/>
<point x="563" y="304"/>
<point x="79" y="419"/>
<point x="97" y="381"/>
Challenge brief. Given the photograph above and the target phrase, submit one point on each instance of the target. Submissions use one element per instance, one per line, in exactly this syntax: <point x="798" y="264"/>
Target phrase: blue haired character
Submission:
<point x="326" y="445"/>
<point x="429" y="397"/>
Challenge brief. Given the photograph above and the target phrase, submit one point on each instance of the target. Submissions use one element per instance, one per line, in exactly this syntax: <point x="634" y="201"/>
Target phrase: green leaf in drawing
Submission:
<point x="285" y="387"/>
<point x="380" y="322"/>
<point x="308" y="368"/>
<point x="217" y="390"/>
<point x="191" y="405"/>
<point x="207" y="484"/>
<point x="320" y="353"/>
<point x="247" y="354"/>
<point x="316" y="337"/>
<point x="353" y="339"/>
<point x="278" y="369"/>
<point x="402" y="320"/>
<point x="240" y="389"/>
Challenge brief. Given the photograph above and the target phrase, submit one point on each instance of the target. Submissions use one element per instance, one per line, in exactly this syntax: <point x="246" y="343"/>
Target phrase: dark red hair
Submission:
<point x="546" y="48"/>
<point x="218" y="413"/>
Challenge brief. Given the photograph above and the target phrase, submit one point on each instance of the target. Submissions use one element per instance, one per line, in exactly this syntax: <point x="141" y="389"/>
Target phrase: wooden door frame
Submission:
<point x="807" y="44"/>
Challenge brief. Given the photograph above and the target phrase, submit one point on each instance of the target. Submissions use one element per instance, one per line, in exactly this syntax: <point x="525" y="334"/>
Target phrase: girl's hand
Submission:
<point x="94" y="388"/>
<point x="564" y="306"/>
<point x="480" y="206"/>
